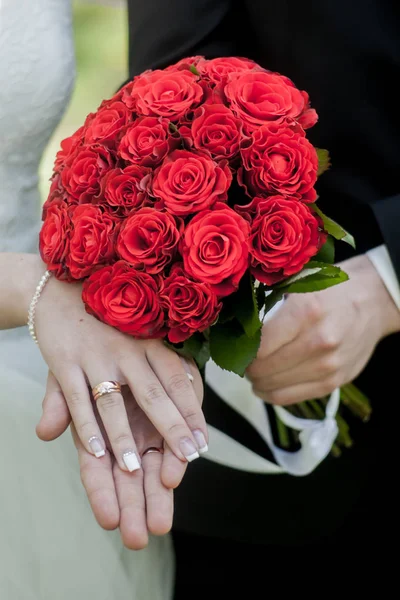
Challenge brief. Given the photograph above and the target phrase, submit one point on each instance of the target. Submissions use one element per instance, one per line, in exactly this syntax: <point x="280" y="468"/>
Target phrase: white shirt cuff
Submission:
<point x="380" y="258"/>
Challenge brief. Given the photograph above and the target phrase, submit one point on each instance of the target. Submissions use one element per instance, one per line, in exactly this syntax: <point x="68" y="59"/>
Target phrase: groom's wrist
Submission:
<point x="382" y="308"/>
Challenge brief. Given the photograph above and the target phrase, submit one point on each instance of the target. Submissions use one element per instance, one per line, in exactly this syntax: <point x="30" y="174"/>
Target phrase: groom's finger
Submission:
<point x="303" y="373"/>
<point x="98" y="481"/>
<point x="173" y="469"/>
<point x="133" y="526"/>
<point x="159" y="499"/>
<point x="301" y="353"/>
<point x="55" y="417"/>
<point x="298" y="393"/>
<point x="295" y="316"/>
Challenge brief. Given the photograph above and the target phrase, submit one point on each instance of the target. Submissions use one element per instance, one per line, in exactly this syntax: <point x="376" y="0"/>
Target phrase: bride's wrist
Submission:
<point x="19" y="277"/>
<point x="30" y="270"/>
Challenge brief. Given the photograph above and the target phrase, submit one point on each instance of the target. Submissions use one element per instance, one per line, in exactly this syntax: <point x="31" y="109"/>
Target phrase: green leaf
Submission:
<point x="225" y="316"/>
<point x="231" y="348"/>
<point x="260" y="292"/>
<point x="227" y="312"/>
<point x="324" y="161"/>
<point x="273" y="298"/>
<point x="315" y="283"/>
<point x="196" y="347"/>
<point x="313" y="271"/>
<point x="326" y="269"/>
<point x="173" y="128"/>
<point x="303" y="274"/>
<point x="194" y="70"/>
<point x="334" y="229"/>
<point x="243" y="306"/>
<point x="327" y="252"/>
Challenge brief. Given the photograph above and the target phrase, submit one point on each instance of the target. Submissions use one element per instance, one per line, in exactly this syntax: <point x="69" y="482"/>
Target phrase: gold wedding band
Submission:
<point x="153" y="449"/>
<point x="106" y="387"/>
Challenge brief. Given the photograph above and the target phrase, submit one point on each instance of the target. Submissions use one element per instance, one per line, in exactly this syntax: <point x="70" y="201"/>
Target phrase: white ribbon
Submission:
<point x="316" y="436"/>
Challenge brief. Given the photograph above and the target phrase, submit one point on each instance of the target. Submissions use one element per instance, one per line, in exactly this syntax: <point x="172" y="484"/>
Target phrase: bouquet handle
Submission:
<point x="316" y="436"/>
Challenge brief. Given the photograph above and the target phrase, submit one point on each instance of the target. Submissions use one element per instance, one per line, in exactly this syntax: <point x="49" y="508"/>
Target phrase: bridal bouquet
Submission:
<point x="186" y="205"/>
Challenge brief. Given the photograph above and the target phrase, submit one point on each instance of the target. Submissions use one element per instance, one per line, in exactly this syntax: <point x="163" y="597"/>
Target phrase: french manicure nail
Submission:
<point x="131" y="461"/>
<point x="96" y="447"/>
<point x="189" y="449"/>
<point x="200" y="440"/>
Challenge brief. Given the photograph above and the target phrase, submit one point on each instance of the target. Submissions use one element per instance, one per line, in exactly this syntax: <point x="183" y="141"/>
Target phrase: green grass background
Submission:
<point x="100" y="34"/>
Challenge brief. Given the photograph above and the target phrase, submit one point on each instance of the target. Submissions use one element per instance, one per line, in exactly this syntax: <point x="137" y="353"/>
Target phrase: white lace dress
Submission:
<point x="50" y="545"/>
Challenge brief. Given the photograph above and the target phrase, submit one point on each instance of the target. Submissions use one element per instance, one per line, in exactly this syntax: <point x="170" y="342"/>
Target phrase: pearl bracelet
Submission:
<point x="32" y="306"/>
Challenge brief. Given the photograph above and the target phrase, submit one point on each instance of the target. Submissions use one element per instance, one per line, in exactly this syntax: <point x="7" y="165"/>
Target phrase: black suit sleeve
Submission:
<point x="161" y="33"/>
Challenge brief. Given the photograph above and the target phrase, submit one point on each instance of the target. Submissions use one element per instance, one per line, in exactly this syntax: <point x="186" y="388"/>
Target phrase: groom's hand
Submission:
<point x="140" y="502"/>
<point x="319" y="341"/>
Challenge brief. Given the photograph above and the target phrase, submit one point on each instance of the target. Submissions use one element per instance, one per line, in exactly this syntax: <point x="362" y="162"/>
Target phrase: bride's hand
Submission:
<point x="136" y="502"/>
<point x="83" y="352"/>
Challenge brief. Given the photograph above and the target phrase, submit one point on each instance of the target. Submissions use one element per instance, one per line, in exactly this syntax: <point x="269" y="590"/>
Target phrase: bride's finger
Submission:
<point x="111" y="408"/>
<point x="182" y="383"/>
<point x="159" y="499"/>
<point x="132" y="505"/>
<point x="55" y="416"/>
<point x="156" y="403"/>
<point x="98" y="481"/>
<point x="76" y="393"/>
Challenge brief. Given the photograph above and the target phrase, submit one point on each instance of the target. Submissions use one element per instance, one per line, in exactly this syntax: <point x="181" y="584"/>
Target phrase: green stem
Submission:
<point x="293" y="408"/>
<point x="283" y="434"/>
<point x="306" y="410"/>
<point x="343" y="438"/>
<point x="318" y="409"/>
<point x="336" y="451"/>
<point x="343" y="435"/>
<point x="358" y="404"/>
<point x="357" y="398"/>
<point x="358" y="395"/>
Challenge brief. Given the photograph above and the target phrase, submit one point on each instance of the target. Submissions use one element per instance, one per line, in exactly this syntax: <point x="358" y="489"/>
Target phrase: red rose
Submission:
<point x="191" y="306"/>
<point x="285" y="234"/>
<point x="188" y="182"/>
<point x="56" y="194"/>
<point x="92" y="240"/>
<point x="217" y="130"/>
<point x="309" y="116"/>
<point x="148" y="239"/>
<point x="279" y="163"/>
<point x="126" y="91"/>
<point x="125" y="190"/>
<point x="82" y="177"/>
<point x="118" y="96"/>
<point x="215" y="248"/>
<point x="108" y="124"/>
<point x="147" y="142"/>
<point x="126" y="299"/>
<point x="68" y="148"/>
<point x="54" y="238"/>
<point x="165" y="93"/>
<point x="217" y="69"/>
<point x="262" y="97"/>
<point x="186" y="63"/>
